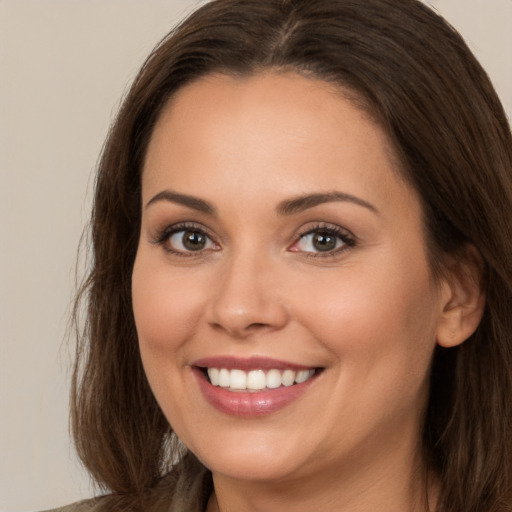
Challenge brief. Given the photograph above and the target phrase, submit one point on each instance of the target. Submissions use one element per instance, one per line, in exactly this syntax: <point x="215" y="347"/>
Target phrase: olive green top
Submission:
<point x="184" y="490"/>
<point x="80" y="506"/>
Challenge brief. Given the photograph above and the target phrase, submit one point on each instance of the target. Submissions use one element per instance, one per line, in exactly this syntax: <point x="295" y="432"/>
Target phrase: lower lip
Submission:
<point x="245" y="404"/>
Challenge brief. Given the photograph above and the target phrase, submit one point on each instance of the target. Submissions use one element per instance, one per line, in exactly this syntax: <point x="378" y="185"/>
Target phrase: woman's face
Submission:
<point x="281" y="250"/>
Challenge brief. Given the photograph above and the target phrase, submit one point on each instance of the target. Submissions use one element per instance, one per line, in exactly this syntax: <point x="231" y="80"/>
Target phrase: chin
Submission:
<point x="255" y="469"/>
<point x="252" y="459"/>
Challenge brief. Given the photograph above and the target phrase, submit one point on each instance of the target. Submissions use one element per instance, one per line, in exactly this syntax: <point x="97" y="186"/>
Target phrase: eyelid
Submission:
<point x="163" y="235"/>
<point x="348" y="239"/>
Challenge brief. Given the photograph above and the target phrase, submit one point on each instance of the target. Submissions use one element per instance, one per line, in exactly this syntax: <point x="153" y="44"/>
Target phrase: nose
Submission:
<point x="248" y="299"/>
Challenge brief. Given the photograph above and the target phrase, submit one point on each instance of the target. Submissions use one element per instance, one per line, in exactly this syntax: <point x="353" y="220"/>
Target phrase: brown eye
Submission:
<point x="189" y="240"/>
<point x="324" y="242"/>
<point x="193" y="240"/>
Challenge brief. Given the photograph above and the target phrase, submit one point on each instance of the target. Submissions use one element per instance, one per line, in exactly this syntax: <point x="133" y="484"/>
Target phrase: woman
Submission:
<point x="301" y="283"/>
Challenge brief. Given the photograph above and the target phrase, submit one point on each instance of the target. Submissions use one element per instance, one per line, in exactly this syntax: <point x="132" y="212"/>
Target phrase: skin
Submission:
<point x="369" y="313"/>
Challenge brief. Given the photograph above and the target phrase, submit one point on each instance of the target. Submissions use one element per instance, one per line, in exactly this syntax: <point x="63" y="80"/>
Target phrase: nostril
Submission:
<point x="256" y="325"/>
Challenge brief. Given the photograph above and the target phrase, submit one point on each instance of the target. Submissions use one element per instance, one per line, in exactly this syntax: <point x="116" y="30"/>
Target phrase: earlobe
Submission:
<point x="463" y="301"/>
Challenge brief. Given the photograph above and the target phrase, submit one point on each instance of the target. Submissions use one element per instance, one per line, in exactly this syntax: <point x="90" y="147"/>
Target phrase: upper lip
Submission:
<point x="250" y="363"/>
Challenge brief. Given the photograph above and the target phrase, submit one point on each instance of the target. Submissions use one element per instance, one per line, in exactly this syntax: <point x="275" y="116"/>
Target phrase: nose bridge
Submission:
<point x="247" y="299"/>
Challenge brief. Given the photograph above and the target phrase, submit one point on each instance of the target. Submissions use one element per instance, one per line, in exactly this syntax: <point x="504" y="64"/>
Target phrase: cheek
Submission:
<point x="380" y="331"/>
<point x="376" y="316"/>
<point x="166" y="309"/>
<point x="166" y="313"/>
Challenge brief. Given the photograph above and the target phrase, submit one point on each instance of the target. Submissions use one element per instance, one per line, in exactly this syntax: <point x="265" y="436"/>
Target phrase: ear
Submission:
<point x="463" y="298"/>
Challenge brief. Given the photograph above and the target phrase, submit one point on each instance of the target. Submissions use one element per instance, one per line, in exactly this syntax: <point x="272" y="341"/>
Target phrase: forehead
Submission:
<point x="265" y="133"/>
<point x="261" y="95"/>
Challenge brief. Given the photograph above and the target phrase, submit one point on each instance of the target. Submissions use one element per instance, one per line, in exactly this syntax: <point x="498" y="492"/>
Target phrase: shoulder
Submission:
<point x="90" y="505"/>
<point x="186" y="488"/>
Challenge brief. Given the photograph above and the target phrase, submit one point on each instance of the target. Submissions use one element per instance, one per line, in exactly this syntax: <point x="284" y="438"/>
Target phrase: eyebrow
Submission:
<point x="189" y="201"/>
<point x="285" y="208"/>
<point x="302" y="203"/>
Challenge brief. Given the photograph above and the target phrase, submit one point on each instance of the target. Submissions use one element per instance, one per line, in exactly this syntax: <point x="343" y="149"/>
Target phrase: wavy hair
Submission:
<point x="414" y="73"/>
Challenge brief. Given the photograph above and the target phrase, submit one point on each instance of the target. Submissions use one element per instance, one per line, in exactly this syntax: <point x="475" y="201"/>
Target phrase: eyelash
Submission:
<point x="346" y="237"/>
<point x="164" y="236"/>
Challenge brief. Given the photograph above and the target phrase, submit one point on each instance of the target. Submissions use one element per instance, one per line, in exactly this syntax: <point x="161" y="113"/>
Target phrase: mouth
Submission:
<point x="254" y="386"/>
<point x="258" y="379"/>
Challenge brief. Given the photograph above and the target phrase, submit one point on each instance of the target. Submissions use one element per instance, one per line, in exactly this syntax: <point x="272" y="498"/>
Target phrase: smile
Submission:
<point x="257" y="379"/>
<point x="252" y="387"/>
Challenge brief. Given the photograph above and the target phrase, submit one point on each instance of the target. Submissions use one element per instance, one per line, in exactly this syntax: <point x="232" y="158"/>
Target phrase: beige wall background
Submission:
<point x="64" y="65"/>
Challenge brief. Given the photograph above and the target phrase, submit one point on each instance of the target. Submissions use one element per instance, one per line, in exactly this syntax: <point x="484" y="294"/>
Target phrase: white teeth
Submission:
<point x="273" y="379"/>
<point x="224" y="378"/>
<point x="238" y="379"/>
<point x="213" y="373"/>
<point x="288" y="378"/>
<point x="256" y="380"/>
<point x="302" y="376"/>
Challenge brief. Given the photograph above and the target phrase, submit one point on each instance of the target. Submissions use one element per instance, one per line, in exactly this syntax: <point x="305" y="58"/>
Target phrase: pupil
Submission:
<point x="324" y="242"/>
<point x="193" y="240"/>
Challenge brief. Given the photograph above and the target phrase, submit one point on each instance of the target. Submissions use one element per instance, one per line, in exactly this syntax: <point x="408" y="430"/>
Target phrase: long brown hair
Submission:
<point x="415" y="74"/>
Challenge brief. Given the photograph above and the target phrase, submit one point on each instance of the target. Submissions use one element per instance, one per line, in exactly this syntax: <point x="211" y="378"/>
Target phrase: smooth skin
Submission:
<point x="342" y="282"/>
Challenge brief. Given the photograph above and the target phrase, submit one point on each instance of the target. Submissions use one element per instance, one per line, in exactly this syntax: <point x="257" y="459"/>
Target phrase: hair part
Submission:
<point x="414" y="74"/>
